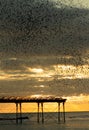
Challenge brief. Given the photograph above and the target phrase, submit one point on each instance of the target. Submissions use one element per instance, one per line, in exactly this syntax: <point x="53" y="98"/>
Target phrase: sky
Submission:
<point x="44" y="49"/>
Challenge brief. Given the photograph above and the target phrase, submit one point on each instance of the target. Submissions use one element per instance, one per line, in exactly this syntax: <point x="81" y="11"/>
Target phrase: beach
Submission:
<point x="74" y="121"/>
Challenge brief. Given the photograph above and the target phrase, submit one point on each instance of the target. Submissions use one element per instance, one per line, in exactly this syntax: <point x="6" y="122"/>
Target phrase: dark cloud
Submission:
<point x="45" y="62"/>
<point x="40" y="28"/>
<point x="11" y="64"/>
<point x="39" y="34"/>
<point x="62" y="87"/>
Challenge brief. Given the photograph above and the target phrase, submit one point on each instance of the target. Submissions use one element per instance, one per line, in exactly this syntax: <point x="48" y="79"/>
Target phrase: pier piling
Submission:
<point x="20" y="113"/>
<point x="38" y="112"/>
<point x="42" y="112"/>
<point x="58" y="112"/>
<point x="64" y="111"/>
<point x="16" y="113"/>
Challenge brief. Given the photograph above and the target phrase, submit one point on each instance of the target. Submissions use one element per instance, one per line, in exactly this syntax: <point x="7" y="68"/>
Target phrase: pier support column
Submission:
<point x="42" y="112"/>
<point x="38" y="112"/>
<point x="58" y="112"/>
<point x="20" y="112"/>
<point x="64" y="111"/>
<point x="16" y="113"/>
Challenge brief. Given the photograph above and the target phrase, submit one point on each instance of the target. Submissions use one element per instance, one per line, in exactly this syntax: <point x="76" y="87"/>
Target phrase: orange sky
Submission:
<point x="73" y="103"/>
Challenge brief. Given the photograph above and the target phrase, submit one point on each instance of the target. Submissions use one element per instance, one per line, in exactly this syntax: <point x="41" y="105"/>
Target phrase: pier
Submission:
<point x="40" y="100"/>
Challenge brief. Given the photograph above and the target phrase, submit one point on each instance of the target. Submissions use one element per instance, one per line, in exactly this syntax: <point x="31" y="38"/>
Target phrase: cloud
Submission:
<point x="22" y="65"/>
<point x="29" y="75"/>
<point x="41" y="28"/>
<point x="65" y="87"/>
<point x="38" y="34"/>
<point x="11" y="64"/>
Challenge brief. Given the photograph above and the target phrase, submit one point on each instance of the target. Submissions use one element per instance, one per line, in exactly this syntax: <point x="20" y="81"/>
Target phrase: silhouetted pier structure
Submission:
<point x="40" y="100"/>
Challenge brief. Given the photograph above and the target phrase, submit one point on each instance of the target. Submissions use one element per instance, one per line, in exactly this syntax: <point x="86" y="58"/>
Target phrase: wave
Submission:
<point x="48" y="116"/>
<point x="78" y="116"/>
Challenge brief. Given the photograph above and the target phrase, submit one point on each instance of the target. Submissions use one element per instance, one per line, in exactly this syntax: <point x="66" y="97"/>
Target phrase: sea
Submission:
<point x="74" y="121"/>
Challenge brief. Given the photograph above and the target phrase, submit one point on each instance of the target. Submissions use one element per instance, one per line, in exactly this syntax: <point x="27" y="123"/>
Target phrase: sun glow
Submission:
<point x="40" y="86"/>
<point x="36" y="95"/>
<point x="77" y="103"/>
<point x="36" y="70"/>
<point x="72" y="72"/>
<point x="42" y="74"/>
